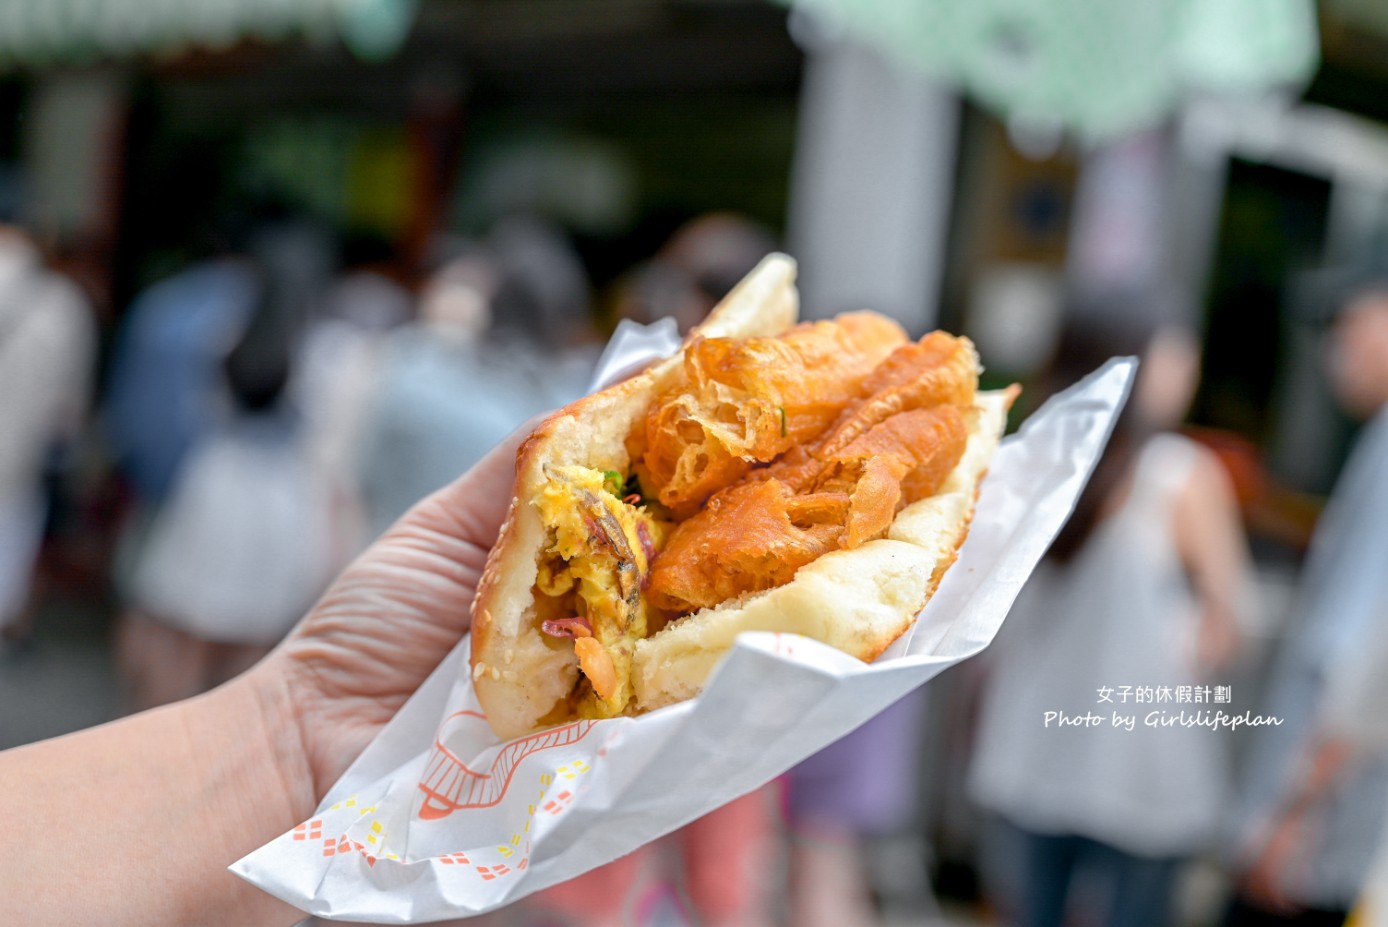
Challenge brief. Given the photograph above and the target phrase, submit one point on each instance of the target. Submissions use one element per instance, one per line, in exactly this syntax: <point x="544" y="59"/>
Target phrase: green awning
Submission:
<point x="1099" y="68"/>
<point x="35" y="33"/>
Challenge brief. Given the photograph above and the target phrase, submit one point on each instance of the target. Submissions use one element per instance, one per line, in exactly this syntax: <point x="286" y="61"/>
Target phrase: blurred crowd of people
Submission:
<point x="276" y="406"/>
<point x="1151" y="583"/>
<point x="273" y="407"/>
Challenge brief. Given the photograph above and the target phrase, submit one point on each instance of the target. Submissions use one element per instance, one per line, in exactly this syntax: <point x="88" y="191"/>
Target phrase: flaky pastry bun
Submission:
<point x="578" y="543"/>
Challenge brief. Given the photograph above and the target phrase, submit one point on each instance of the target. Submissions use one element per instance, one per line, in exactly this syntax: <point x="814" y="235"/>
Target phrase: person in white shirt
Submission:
<point x="1137" y="599"/>
<point x="1345" y="598"/>
<point x="47" y="351"/>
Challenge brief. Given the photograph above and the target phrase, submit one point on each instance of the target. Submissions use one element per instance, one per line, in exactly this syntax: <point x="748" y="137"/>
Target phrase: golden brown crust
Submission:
<point x="858" y="600"/>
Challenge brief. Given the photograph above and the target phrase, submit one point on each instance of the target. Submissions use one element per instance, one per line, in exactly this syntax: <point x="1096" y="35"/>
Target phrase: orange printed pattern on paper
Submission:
<point x="450" y="785"/>
<point x="520" y="841"/>
<point x="372" y="849"/>
<point x="559" y="803"/>
<point x="310" y="830"/>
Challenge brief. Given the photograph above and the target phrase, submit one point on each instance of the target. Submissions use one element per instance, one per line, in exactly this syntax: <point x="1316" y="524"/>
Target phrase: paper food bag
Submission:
<point x="439" y="819"/>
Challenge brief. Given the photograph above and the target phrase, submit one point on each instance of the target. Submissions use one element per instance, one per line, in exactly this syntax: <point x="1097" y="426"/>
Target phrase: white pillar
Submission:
<point x="871" y="186"/>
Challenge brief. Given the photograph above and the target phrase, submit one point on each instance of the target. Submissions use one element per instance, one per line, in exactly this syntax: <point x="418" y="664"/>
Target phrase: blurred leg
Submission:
<point x="1142" y="889"/>
<point x="1000" y="860"/>
<point x="158" y="664"/>
<point x="827" y="886"/>
<point x="596" y="898"/>
<point x="865" y="784"/>
<point x="21" y="534"/>
<point x="729" y="860"/>
<point x="231" y="660"/>
<point x="18" y="629"/>
<point x="1048" y="864"/>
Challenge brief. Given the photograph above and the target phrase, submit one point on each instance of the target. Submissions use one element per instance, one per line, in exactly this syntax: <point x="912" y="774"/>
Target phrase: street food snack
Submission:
<point x="815" y="478"/>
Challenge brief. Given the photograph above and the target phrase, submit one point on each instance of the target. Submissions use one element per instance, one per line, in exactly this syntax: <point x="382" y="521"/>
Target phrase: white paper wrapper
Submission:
<point x="438" y="819"/>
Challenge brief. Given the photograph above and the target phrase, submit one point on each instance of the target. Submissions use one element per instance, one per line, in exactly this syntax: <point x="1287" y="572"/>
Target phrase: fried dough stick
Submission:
<point x="749" y="401"/>
<point x="895" y="444"/>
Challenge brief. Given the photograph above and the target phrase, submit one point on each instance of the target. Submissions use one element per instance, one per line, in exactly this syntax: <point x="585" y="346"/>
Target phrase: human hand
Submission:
<point x="1264" y="881"/>
<point x="212" y="778"/>
<point x="387" y="621"/>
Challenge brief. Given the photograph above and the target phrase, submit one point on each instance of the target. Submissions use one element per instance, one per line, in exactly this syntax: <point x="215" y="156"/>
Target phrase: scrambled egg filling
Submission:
<point x="595" y="569"/>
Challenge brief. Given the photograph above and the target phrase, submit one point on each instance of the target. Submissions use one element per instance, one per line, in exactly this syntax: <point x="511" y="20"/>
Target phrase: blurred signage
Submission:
<point x="35" y="33"/>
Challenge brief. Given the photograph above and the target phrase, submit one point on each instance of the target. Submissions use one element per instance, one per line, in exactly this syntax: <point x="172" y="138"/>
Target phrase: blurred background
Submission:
<point x="271" y="270"/>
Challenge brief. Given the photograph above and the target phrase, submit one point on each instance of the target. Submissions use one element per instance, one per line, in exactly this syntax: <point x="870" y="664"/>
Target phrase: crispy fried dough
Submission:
<point x="908" y="419"/>
<point x="748" y="401"/>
